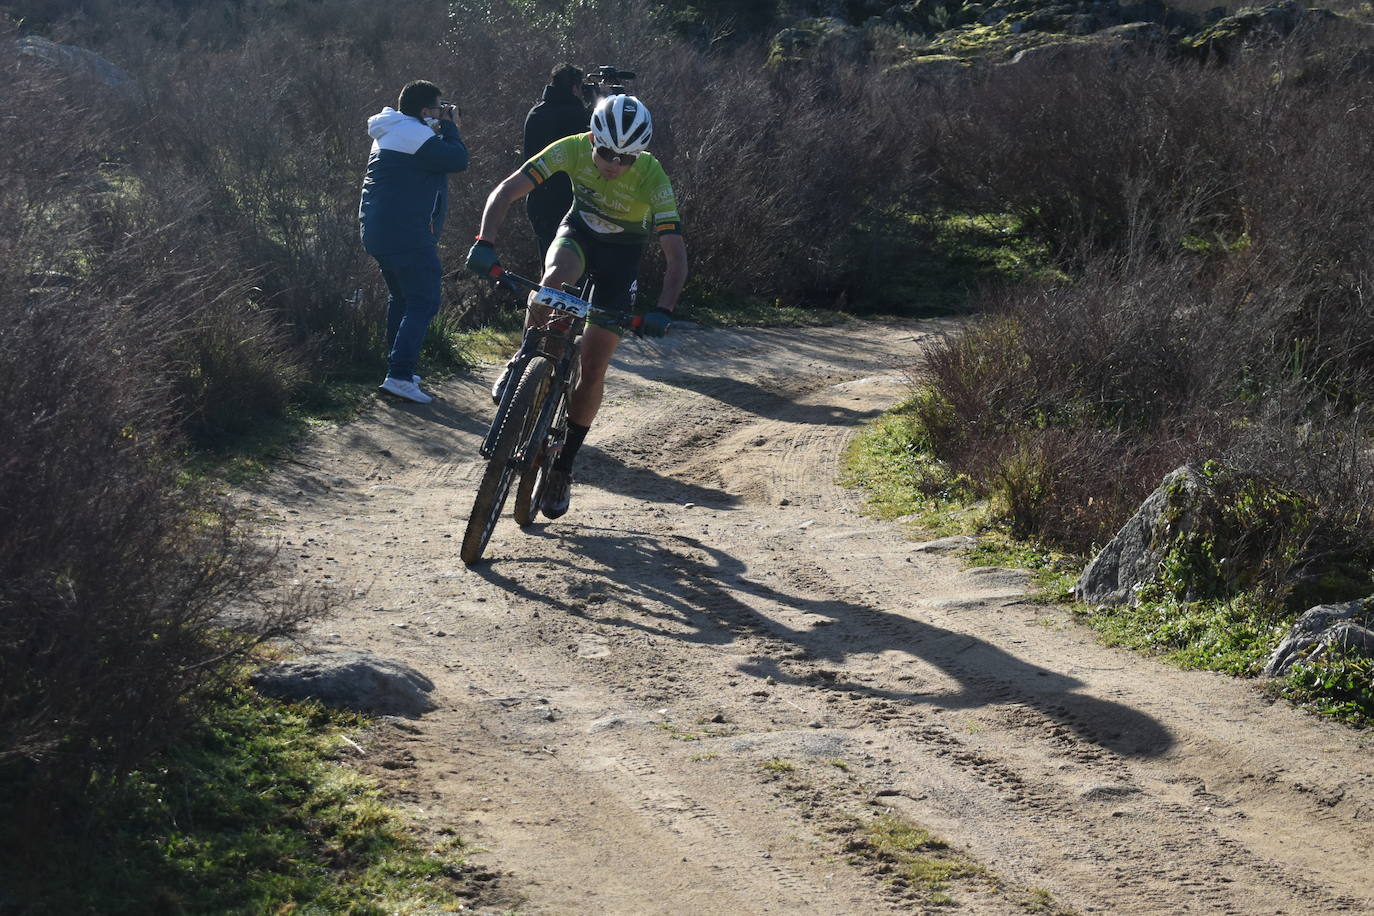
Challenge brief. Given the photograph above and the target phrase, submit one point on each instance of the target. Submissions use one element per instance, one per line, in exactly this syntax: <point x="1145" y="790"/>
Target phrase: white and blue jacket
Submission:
<point x="405" y="190"/>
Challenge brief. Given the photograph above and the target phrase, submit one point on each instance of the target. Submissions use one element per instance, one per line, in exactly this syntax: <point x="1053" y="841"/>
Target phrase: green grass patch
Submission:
<point x="492" y="344"/>
<point x="888" y="460"/>
<point x="1338" y="685"/>
<point x="1234" y="635"/>
<point x="1054" y="572"/>
<point x="901" y="479"/>
<point x="778" y="766"/>
<point x="920" y="864"/>
<point x="914" y="858"/>
<point x="251" y="814"/>
<point x="1237" y="636"/>
<point x="1233" y="629"/>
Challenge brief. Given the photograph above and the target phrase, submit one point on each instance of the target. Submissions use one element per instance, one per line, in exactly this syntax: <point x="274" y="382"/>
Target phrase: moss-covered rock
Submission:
<point x="933" y="66"/>
<point x="1212" y="533"/>
<point x="1254" y="26"/>
<point x="810" y="37"/>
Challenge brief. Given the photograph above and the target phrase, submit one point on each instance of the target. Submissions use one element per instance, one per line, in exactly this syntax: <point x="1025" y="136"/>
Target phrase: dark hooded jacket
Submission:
<point x="559" y="113"/>
<point x="405" y="190"/>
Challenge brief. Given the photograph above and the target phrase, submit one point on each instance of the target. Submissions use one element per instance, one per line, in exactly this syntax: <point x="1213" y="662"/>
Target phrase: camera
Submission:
<point x="445" y="103"/>
<point x="606" y="80"/>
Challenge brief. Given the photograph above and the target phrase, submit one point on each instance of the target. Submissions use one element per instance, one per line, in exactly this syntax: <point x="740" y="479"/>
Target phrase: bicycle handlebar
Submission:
<point x="562" y="301"/>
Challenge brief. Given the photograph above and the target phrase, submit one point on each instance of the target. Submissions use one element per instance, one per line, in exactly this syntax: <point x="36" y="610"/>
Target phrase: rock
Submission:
<point x="1216" y="532"/>
<point x="933" y="67"/>
<point x="1109" y="44"/>
<point x="815" y="37"/>
<point x="1133" y="556"/>
<point x="80" y="62"/>
<point x="1323" y="628"/>
<point x="945" y="545"/>
<point x="1249" y="27"/>
<point x="355" y="680"/>
<point x="621" y="720"/>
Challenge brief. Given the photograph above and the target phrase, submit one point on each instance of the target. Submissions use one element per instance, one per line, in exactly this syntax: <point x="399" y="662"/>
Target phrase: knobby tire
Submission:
<point x="528" y="491"/>
<point x="529" y="494"/>
<point x="496" y="480"/>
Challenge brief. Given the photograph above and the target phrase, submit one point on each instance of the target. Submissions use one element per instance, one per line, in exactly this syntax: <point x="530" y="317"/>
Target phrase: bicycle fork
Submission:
<point x="529" y="348"/>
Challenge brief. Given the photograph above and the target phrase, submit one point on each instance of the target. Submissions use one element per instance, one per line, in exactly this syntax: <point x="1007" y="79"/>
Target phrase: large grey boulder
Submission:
<point x="79" y="62"/>
<point x="1133" y="556"/>
<point x="354" y="680"/>
<point x="1324" y="628"/>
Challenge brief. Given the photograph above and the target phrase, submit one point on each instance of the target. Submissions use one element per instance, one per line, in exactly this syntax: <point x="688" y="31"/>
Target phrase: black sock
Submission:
<point x="576" y="434"/>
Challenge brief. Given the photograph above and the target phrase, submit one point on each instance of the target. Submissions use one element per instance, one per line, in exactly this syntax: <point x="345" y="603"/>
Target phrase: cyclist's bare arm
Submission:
<point x="516" y="186"/>
<point x="674" y="272"/>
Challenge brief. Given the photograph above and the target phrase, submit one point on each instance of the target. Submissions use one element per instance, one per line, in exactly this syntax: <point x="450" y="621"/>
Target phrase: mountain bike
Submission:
<point x="531" y="421"/>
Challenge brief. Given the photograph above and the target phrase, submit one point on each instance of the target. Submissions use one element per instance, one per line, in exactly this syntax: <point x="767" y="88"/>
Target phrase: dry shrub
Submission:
<point x="1100" y="152"/>
<point x="1069" y="404"/>
<point x="775" y="167"/>
<point x="115" y="573"/>
<point x="1214" y="221"/>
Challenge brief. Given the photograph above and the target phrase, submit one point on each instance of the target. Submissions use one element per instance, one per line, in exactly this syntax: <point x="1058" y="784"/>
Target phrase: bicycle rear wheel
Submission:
<point x="526" y="508"/>
<point x="496" y="480"/>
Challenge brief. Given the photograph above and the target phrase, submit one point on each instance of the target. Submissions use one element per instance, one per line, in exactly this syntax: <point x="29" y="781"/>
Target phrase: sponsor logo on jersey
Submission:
<point x="598" y="224"/>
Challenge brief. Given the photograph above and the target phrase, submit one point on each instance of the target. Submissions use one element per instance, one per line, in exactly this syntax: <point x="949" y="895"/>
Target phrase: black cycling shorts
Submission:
<point x="614" y="268"/>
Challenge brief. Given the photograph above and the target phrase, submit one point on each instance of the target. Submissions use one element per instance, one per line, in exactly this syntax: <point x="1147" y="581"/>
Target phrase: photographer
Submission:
<point x="559" y="113"/>
<point x="401" y="214"/>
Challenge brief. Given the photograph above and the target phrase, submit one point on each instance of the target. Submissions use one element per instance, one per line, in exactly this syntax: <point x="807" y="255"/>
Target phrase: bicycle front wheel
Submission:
<point x="546" y="445"/>
<point x="496" y="480"/>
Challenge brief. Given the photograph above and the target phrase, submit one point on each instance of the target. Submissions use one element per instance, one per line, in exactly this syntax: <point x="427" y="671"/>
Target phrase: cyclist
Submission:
<point x="621" y="196"/>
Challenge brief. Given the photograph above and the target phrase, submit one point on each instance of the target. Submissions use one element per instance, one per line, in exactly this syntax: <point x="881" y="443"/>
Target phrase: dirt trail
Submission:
<point x="679" y="697"/>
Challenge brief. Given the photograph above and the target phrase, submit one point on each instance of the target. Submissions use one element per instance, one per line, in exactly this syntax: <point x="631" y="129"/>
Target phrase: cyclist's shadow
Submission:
<point x="692" y="595"/>
<point x="608" y="472"/>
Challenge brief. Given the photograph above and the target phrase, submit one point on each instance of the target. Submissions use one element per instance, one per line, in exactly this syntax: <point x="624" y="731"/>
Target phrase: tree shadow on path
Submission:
<point x="693" y="594"/>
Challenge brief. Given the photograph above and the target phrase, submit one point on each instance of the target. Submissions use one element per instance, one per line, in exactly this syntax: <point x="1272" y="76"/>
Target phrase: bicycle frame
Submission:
<point x="567" y="318"/>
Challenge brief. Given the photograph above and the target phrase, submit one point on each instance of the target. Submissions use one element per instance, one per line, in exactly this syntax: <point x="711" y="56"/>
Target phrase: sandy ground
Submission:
<point x="683" y="696"/>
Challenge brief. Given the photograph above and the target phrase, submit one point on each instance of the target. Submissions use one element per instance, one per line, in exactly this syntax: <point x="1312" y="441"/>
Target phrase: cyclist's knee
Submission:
<point x="593" y="371"/>
<point x="564" y="264"/>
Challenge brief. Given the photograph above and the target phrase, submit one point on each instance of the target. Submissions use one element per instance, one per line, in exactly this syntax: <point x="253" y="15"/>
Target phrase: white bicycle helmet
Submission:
<point x="622" y="123"/>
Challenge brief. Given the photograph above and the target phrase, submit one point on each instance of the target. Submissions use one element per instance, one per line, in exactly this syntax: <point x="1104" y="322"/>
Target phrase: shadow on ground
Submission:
<point x="698" y="594"/>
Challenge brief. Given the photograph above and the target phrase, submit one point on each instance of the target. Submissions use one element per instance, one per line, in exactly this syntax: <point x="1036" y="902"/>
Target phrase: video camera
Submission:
<point x="605" y="80"/>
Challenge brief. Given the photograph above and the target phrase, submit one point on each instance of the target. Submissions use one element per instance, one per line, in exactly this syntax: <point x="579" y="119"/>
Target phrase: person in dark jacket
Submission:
<point x="404" y="201"/>
<point x="560" y="113"/>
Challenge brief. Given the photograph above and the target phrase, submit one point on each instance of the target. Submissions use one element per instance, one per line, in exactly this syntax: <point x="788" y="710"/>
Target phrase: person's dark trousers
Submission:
<point x="546" y="208"/>
<point x="413" y="280"/>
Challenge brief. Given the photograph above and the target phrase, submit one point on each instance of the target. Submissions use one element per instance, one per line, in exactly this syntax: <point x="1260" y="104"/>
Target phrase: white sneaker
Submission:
<point x="416" y="380"/>
<point x="404" y="389"/>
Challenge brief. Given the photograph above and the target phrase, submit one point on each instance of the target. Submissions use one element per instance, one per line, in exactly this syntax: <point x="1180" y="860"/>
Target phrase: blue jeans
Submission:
<point x="413" y="280"/>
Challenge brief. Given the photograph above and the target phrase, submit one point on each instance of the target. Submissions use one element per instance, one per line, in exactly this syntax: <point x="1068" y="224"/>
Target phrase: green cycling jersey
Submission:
<point x="623" y="211"/>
